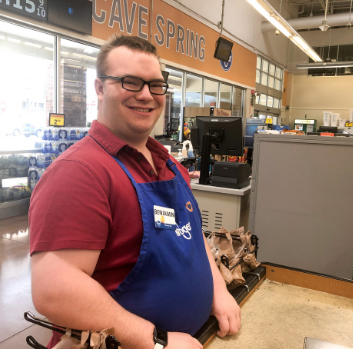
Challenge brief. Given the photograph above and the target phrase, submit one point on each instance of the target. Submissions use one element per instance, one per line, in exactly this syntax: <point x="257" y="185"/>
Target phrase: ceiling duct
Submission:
<point x="339" y="19"/>
<point x="322" y="65"/>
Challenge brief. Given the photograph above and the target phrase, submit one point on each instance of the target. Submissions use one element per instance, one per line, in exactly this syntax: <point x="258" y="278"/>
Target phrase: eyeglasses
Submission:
<point x="133" y="84"/>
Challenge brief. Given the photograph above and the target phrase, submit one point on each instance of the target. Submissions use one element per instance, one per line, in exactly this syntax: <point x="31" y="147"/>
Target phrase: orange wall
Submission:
<point x="243" y="68"/>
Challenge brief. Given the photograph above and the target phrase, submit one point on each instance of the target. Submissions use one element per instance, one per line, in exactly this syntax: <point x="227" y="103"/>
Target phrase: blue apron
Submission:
<point x="171" y="284"/>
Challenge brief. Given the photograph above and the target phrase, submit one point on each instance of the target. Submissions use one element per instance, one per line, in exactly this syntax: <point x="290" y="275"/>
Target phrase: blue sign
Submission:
<point x="227" y="65"/>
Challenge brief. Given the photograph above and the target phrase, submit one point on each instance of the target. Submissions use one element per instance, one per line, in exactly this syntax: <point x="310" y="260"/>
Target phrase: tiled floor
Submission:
<point x="15" y="286"/>
<point x="280" y="316"/>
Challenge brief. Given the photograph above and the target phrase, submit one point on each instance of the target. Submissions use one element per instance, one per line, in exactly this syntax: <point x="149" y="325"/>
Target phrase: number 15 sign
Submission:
<point x="30" y="8"/>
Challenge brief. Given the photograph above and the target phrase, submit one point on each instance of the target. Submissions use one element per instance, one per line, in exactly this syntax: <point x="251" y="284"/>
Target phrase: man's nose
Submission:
<point x="144" y="94"/>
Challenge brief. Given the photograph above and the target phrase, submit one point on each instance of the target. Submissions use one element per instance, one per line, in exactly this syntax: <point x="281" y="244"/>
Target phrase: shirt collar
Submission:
<point x="113" y="144"/>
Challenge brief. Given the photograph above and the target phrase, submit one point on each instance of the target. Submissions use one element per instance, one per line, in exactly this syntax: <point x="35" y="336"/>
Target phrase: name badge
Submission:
<point x="164" y="218"/>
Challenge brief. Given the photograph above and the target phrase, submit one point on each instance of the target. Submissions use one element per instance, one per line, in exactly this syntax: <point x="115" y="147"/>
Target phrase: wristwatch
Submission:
<point x="160" y="338"/>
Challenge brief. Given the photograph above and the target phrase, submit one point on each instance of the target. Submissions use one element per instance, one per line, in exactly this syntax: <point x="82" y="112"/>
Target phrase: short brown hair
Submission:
<point x="116" y="40"/>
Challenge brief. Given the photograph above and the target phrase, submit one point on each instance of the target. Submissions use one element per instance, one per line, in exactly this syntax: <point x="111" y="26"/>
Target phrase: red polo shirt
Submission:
<point x="84" y="200"/>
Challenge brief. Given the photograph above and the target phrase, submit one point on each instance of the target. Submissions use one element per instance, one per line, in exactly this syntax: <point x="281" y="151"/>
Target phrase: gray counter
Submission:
<point x="222" y="206"/>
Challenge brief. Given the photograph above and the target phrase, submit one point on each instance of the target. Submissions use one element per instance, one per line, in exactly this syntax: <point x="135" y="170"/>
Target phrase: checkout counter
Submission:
<point x="219" y="206"/>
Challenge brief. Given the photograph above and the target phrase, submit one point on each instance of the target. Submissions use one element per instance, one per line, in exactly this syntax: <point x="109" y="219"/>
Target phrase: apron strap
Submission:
<point x="170" y="164"/>
<point x="173" y="167"/>
<point x="125" y="170"/>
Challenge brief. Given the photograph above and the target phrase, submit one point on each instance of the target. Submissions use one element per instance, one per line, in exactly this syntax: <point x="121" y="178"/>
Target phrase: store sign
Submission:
<point x="30" y="8"/>
<point x="187" y="41"/>
<point x="56" y="119"/>
<point x="304" y="121"/>
<point x="179" y="38"/>
<point x="227" y="65"/>
<point x="169" y="34"/>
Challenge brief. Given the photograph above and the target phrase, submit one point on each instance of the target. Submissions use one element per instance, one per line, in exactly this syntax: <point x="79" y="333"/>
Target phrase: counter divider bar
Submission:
<point x="240" y="293"/>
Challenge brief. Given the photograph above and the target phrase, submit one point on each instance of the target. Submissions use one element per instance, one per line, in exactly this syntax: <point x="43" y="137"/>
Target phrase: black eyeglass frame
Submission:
<point x="148" y="83"/>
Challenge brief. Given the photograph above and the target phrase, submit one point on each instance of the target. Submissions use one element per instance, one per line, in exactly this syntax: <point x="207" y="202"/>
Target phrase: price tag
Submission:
<point x="349" y="124"/>
<point x="269" y="121"/>
<point x="57" y="120"/>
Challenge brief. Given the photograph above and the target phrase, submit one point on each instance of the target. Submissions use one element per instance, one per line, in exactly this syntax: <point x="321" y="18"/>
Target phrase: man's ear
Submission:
<point x="98" y="85"/>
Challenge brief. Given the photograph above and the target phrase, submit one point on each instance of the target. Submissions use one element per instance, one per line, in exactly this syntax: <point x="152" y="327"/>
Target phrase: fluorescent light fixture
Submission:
<point x="83" y="56"/>
<point x="266" y="10"/>
<point x="174" y="77"/>
<point x="48" y="48"/>
<point x="279" y="26"/>
<point x="72" y="60"/>
<point x="14" y="40"/>
<point x="301" y="43"/>
<point x="323" y="65"/>
<point x="65" y="53"/>
<point x="2" y="37"/>
<point x="31" y="44"/>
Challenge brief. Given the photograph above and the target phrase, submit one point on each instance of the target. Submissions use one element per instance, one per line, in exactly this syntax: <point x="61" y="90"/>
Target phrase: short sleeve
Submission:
<point x="69" y="209"/>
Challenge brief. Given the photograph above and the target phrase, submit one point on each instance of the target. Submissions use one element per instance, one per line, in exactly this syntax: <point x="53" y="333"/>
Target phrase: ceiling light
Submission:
<point x="65" y="53"/>
<point x="279" y="26"/>
<point x="323" y="65"/>
<point x="265" y="9"/>
<point x="84" y="56"/>
<point x="31" y="44"/>
<point x="324" y="25"/>
<point x="72" y="60"/>
<point x="48" y="48"/>
<point x="2" y="37"/>
<point x="14" y="40"/>
<point x="174" y="77"/>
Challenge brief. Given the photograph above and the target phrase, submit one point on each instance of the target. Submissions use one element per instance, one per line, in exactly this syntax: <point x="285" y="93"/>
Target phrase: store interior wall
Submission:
<point x="311" y="95"/>
<point x="314" y="94"/>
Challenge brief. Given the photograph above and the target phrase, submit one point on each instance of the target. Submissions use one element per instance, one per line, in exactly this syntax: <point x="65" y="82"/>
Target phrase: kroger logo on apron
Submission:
<point x="227" y="65"/>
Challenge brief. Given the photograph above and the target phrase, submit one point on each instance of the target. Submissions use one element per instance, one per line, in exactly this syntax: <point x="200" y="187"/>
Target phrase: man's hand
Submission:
<point x="227" y="312"/>
<point x="178" y="340"/>
<point x="224" y="307"/>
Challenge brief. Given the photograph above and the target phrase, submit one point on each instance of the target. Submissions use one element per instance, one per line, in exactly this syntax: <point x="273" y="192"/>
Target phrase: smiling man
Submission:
<point x="116" y="236"/>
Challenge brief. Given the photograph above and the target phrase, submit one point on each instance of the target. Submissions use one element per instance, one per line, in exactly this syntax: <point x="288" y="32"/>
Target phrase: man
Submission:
<point x="116" y="235"/>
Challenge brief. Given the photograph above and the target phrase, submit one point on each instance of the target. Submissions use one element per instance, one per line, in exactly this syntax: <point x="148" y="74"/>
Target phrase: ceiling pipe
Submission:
<point x="339" y="19"/>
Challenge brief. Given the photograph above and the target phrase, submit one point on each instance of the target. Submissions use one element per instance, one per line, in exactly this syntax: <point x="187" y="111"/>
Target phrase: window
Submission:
<point x="264" y="66"/>
<point x="78" y="71"/>
<point x="237" y="101"/>
<point x="264" y="79"/>
<point x="27" y="97"/>
<point x="226" y="97"/>
<point x="27" y="65"/>
<point x="210" y="93"/>
<point x="193" y="90"/>
<point x="173" y="107"/>
<point x="258" y="74"/>
<point x="269" y="101"/>
<point x="268" y="74"/>
<point x="263" y="99"/>
<point x="276" y="103"/>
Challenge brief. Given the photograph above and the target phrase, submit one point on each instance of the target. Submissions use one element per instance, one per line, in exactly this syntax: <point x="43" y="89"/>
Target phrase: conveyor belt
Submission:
<point x="253" y="279"/>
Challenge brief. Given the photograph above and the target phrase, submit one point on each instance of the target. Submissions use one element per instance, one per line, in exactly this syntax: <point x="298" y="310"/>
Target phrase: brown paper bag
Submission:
<point x="225" y="272"/>
<point x="238" y="276"/>
<point x="250" y="261"/>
